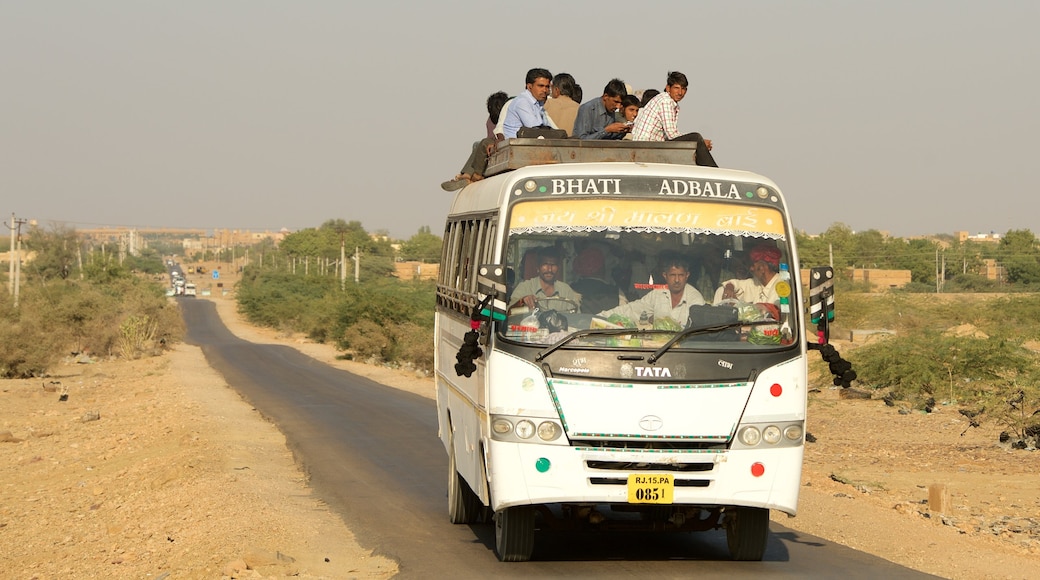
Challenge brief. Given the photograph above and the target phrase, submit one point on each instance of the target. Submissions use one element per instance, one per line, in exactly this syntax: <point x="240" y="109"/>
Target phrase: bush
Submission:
<point x="66" y="317"/>
<point x="928" y="364"/>
<point x="386" y="320"/>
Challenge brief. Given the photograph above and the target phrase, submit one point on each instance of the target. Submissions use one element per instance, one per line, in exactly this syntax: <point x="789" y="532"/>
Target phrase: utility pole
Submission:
<point x="342" y="263"/>
<point x="15" y="252"/>
<point x="357" y="264"/>
<point x="936" y="270"/>
<point x="10" y="254"/>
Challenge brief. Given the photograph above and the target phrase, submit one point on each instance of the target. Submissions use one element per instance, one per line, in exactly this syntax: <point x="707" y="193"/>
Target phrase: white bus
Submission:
<point x="569" y="417"/>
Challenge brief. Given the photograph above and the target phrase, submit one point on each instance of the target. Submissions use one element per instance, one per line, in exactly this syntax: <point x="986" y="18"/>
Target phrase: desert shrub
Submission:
<point x="1016" y="408"/>
<point x="915" y="288"/>
<point x="929" y="364"/>
<point x="27" y="349"/>
<point x="968" y="282"/>
<point x="367" y="340"/>
<point x="80" y="316"/>
<point x="280" y="299"/>
<point x="405" y="344"/>
<point x="1017" y="315"/>
<point x="385" y="319"/>
<point x="136" y="335"/>
<point x="415" y="346"/>
<point x="909" y="313"/>
<point x="63" y="317"/>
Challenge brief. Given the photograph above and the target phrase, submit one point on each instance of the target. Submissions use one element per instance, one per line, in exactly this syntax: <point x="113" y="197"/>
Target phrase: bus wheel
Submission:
<point x="747" y="530"/>
<point x="514" y="533"/>
<point x="463" y="505"/>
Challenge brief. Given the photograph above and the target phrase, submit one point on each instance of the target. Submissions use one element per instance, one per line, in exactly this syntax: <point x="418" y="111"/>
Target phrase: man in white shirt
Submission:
<point x="673" y="302"/>
<point x="760" y="288"/>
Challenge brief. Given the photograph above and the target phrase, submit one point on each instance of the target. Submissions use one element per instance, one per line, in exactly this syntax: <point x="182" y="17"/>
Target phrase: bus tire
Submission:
<point x="747" y="531"/>
<point x="514" y="533"/>
<point x="464" y="506"/>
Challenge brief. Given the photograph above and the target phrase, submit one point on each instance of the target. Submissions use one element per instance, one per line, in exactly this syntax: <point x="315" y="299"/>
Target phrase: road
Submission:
<point x="372" y="453"/>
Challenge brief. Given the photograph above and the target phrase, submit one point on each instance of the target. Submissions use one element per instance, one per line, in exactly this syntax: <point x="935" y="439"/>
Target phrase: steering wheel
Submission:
<point x="553" y="303"/>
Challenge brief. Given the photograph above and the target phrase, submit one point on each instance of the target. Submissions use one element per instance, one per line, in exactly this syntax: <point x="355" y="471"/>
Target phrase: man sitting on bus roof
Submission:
<point x="673" y="301"/>
<point x="597" y="119"/>
<point x="546" y="286"/>
<point x="658" y="120"/>
<point x="473" y="169"/>
<point x="528" y="108"/>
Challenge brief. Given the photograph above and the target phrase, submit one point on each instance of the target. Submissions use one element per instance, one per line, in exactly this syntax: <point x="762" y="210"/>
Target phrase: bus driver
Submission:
<point x="546" y="284"/>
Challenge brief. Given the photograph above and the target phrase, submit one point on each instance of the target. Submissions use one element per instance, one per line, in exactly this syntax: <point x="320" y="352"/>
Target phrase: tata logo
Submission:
<point x="653" y="372"/>
<point x="651" y="423"/>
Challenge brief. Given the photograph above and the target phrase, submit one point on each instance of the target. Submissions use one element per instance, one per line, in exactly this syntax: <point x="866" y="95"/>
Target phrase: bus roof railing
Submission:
<point x="516" y="153"/>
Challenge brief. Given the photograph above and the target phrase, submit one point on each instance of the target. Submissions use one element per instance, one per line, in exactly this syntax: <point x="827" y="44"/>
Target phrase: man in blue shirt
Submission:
<point x="528" y="108"/>
<point x="596" y="118"/>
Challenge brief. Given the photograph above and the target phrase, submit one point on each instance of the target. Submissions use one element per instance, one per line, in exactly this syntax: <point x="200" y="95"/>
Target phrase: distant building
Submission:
<point x="881" y="279"/>
<point x="416" y="270"/>
<point x="992" y="270"/>
<point x="964" y="236"/>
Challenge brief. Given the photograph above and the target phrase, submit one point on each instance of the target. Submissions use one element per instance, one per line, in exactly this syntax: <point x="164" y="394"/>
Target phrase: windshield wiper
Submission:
<point x="594" y="331"/>
<point x="702" y="330"/>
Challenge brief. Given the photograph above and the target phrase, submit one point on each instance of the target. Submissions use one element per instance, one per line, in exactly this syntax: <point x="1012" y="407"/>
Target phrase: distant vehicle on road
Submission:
<point x="189" y="289"/>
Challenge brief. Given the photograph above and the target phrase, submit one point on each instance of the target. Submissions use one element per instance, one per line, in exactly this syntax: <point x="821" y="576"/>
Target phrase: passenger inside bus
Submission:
<point x="760" y="288"/>
<point x="631" y="271"/>
<point x="661" y="307"/>
<point x="546" y="290"/>
<point x="596" y="293"/>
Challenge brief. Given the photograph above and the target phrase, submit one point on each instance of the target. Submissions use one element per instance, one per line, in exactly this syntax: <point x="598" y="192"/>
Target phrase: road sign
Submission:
<point x="216" y="274"/>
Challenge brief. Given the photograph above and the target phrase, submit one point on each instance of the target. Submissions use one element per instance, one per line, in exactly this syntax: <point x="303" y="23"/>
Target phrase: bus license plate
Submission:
<point x="650" y="488"/>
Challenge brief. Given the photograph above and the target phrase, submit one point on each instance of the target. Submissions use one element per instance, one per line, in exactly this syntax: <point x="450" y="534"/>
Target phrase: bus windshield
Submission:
<point x="632" y="273"/>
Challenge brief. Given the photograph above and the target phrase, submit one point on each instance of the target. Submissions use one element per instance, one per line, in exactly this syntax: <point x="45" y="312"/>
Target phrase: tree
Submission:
<point x="918" y="256"/>
<point x="423" y="246"/>
<point x="324" y="243"/>
<point x="54" y="253"/>
<point x="1021" y="257"/>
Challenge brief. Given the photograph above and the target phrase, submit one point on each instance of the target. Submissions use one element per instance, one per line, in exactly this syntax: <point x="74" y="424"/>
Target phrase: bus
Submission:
<point x="560" y="414"/>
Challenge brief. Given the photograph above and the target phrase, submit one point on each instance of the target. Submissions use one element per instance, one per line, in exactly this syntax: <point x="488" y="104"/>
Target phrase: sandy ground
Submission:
<point x="155" y="468"/>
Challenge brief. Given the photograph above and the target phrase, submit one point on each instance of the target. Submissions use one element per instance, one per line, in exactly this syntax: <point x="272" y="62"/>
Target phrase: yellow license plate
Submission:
<point x="650" y="488"/>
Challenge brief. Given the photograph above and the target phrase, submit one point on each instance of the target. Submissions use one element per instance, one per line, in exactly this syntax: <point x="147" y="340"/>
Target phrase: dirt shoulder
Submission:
<point x="156" y="468"/>
<point x="179" y="475"/>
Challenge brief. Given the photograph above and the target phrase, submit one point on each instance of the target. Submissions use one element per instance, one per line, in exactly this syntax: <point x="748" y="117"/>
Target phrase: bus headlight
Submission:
<point x="775" y="435"/>
<point x="501" y="426"/>
<point x="535" y="430"/>
<point x="548" y="431"/>
<point x="750" y="436"/>
<point x="524" y="429"/>
<point x="793" y="432"/>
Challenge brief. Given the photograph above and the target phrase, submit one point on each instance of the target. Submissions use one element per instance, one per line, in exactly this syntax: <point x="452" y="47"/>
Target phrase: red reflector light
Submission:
<point x="776" y="390"/>
<point x="757" y="469"/>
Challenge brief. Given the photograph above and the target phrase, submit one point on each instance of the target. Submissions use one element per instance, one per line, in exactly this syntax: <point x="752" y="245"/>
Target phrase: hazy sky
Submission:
<point x="908" y="116"/>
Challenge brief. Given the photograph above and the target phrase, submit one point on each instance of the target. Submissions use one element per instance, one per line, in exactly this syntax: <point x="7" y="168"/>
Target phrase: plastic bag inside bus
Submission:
<point x="627" y="266"/>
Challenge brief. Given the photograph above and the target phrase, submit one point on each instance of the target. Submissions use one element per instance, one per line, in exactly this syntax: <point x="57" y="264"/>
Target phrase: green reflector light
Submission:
<point x="542" y="465"/>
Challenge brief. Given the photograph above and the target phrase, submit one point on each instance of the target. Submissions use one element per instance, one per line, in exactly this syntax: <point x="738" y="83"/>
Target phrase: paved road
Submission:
<point x="373" y="455"/>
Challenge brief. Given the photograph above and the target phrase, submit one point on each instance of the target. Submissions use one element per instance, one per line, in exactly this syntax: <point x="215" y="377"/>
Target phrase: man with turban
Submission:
<point x="761" y="287"/>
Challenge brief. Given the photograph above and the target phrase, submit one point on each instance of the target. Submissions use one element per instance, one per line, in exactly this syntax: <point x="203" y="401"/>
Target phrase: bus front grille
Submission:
<point x="657" y="467"/>
<point x="624" y="481"/>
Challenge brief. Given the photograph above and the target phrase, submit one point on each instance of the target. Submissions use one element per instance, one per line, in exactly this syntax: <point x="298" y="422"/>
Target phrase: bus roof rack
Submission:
<point x="516" y="153"/>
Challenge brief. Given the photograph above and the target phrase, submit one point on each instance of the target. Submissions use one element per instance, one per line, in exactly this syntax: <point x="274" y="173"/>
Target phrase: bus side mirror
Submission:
<point x="821" y="300"/>
<point x="491" y="282"/>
